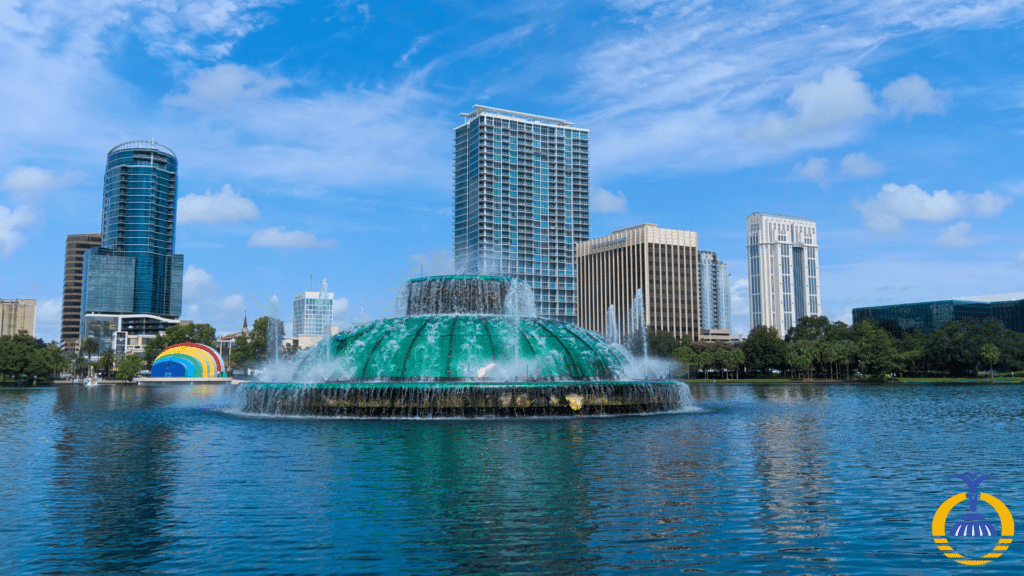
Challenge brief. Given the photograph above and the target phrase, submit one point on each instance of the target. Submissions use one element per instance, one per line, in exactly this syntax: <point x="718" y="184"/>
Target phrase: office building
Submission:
<point x="521" y="192"/>
<point x="715" y="296"/>
<point x="134" y="271"/>
<point x="927" y="316"/>
<point x="71" y="308"/>
<point x="312" y="316"/>
<point x="662" y="263"/>
<point x="17" y="315"/>
<point x="782" y="262"/>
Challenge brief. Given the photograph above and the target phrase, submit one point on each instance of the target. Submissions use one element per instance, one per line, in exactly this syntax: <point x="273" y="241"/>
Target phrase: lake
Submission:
<point x="779" y="479"/>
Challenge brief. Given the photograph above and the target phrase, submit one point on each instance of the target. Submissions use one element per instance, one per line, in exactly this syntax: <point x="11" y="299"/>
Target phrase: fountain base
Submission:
<point x="428" y="399"/>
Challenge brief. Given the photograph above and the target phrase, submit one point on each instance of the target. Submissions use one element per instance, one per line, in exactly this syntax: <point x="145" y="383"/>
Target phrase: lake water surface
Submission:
<point x="762" y="479"/>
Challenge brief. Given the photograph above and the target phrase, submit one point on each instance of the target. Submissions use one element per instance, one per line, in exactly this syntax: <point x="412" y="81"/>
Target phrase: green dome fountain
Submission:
<point x="463" y="346"/>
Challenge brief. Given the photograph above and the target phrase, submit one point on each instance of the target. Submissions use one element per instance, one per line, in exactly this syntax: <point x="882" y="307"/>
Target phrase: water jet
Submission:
<point x="466" y="346"/>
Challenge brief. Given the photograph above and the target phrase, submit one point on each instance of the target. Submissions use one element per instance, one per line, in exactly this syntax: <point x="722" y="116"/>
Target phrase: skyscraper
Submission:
<point x="782" y="260"/>
<point x="312" y="313"/>
<point x="521" y="191"/>
<point x="135" y="271"/>
<point x="715" y="293"/>
<point x="662" y="263"/>
<point x="71" y="309"/>
<point x="17" y="315"/>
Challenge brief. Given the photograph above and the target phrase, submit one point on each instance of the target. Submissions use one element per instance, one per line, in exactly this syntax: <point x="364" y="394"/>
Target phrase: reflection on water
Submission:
<point x="788" y="479"/>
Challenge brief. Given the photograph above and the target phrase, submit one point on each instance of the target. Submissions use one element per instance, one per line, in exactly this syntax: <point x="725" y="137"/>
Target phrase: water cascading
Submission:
<point x="611" y="330"/>
<point x="273" y="333"/>
<point x="465" y="346"/>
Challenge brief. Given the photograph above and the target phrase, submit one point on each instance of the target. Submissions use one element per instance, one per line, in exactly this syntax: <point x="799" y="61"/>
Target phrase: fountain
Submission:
<point x="466" y="346"/>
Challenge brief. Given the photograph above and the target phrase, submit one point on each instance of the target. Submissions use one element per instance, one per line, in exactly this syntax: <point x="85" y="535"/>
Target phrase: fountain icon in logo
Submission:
<point x="973" y="524"/>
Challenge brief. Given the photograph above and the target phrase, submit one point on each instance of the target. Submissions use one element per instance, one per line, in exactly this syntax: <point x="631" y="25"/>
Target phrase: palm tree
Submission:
<point x="106" y="361"/>
<point x="89" y="347"/>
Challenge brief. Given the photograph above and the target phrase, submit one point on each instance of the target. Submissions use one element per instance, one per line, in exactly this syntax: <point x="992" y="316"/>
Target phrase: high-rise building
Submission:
<point x="135" y="271"/>
<point x="715" y="294"/>
<point x="71" y="309"/>
<point x="312" y="314"/>
<point x="782" y="260"/>
<point x="17" y="315"/>
<point x="662" y="263"/>
<point x="522" y="188"/>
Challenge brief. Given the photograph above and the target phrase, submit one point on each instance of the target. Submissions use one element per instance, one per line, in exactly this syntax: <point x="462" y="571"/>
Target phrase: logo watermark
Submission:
<point x="973" y="524"/>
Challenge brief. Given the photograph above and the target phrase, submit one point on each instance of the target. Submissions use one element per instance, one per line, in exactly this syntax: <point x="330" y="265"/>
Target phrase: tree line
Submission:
<point x="819" y="348"/>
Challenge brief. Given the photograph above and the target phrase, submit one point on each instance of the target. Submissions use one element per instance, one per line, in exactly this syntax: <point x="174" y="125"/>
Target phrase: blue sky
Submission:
<point x="314" y="138"/>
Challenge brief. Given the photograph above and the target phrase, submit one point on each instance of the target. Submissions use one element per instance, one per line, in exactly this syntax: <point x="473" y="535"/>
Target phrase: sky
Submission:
<point x="314" y="139"/>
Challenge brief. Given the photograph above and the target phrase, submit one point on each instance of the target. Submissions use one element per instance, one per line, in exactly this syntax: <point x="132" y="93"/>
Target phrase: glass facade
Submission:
<point x="927" y="316"/>
<point x="521" y="193"/>
<point x="715" y="293"/>
<point x="312" y="314"/>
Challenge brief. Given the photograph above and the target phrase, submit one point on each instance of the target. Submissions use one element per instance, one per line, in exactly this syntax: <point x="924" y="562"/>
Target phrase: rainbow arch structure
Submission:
<point x="188" y="360"/>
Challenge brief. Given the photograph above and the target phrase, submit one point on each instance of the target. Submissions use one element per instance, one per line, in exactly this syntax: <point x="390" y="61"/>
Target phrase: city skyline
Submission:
<point x="317" y="139"/>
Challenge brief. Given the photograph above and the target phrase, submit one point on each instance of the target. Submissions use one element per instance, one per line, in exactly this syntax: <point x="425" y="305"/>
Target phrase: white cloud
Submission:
<point x="860" y="165"/>
<point x="958" y="236"/>
<point x="988" y="204"/>
<point x="11" y="221"/>
<point x="886" y="211"/>
<point x="815" y="169"/>
<point x="437" y="262"/>
<point x="605" y="202"/>
<point x="197" y="284"/>
<point x="912" y="95"/>
<point x="1020" y="259"/>
<point x="225" y="84"/>
<point x="224" y="206"/>
<point x="278" y="237"/>
<point x="828" y="105"/>
<point x="28" y="183"/>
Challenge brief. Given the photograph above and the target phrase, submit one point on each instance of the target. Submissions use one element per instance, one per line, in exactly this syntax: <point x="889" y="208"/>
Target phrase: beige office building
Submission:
<point x="782" y="262"/>
<point x="71" y="309"/>
<point x="660" y="262"/>
<point x="17" y="315"/>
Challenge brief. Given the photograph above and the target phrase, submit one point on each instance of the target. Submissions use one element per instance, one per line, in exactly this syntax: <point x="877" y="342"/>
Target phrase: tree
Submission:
<point x="661" y="344"/>
<point x="179" y="334"/>
<point x="735" y="360"/>
<point x="846" y="354"/>
<point x="878" y="355"/>
<point x="685" y="355"/>
<point x="809" y="328"/>
<point x="107" y="360"/>
<point x="764" y="350"/>
<point x="22" y="356"/>
<point x="990" y="354"/>
<point x="128" y="367"/>
<point x="89" y="347"/>
<point x="252" y="348"/>
<point x="719" y="359"/>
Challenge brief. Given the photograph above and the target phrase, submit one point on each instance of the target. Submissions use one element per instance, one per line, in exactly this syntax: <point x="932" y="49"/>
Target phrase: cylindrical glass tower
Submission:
<point x="139" y="199"/>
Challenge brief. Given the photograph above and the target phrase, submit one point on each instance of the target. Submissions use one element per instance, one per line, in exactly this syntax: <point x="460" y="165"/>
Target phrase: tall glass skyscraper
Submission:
<point x="522" y="202"/>
<point x="135" y="269"/>
<point x="715" y="293"/>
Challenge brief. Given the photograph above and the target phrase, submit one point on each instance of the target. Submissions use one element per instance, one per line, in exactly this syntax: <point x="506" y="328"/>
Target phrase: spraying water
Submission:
<point x="637" y="337"/>
<point x="274" y="333"/>
<point x="611" y="330"/>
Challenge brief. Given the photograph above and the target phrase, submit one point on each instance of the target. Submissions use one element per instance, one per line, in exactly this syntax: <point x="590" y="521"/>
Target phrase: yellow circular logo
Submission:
<point x="975" y="528"/>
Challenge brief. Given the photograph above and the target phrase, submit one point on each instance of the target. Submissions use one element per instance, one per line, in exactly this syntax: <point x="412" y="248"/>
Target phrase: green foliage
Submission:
<point x="106" y="361"/>
<point x="876" y="348"/>
<point x="178" y="334"/>
<point x="764" y="350"/>
<point x="252" y="348"/>
<point x="128" y="367"/>
<point x="661" y="344"/>
<point x="89" y="347"/>
<point x="24" y="357"/>
<point x="990" y="354"/>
